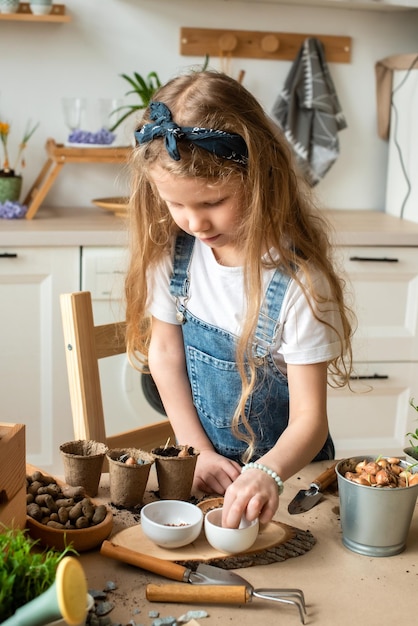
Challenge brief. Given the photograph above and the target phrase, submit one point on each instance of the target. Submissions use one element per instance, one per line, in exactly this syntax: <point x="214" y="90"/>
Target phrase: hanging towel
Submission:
<point x="384" y="78"/>
<point x="309" y="113"/>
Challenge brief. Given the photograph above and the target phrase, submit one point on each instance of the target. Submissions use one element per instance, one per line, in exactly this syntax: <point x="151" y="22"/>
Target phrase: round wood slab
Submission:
<point x="275" y="542"/>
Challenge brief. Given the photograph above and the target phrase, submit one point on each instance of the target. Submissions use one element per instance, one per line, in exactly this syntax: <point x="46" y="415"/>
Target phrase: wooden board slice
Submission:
<point x="275" y="542"/>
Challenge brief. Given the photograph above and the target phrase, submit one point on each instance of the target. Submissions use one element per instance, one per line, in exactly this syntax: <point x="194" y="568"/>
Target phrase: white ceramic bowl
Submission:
<point x="229" y="540"/>
<point x="171" y="523"/>
<point x="41" y="9"/>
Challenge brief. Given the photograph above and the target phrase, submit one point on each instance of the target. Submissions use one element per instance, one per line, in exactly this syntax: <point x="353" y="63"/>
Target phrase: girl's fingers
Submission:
<point x="210" y="485"/>
<point x="250" y="496"/>
<point x="216" y="476"/>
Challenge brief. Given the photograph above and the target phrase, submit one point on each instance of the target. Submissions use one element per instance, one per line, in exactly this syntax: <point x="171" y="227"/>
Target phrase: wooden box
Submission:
<point x="12" y="476"/>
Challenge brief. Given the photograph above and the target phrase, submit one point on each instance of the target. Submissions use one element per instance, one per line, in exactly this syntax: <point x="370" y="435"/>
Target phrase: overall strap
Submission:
<point x="268" y="319"/>
<point x="179" y="283"/>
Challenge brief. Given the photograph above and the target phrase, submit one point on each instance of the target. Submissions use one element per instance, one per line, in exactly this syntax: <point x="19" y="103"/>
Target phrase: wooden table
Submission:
<point x="341" y="587"/>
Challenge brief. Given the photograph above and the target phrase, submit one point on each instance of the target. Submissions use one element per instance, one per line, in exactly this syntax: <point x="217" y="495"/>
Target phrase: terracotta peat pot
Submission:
<point x="175" y="466"/>
<point x="129" y="470"/>
<point x="83" y="463"/>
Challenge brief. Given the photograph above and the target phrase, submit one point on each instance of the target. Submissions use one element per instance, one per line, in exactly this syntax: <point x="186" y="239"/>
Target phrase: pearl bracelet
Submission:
<point x="268" y="471"/>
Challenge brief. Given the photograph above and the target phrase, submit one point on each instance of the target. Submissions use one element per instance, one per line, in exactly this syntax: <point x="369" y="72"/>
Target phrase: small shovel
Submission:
<point x="306" y="499"/>
<point x="208" y="583"/>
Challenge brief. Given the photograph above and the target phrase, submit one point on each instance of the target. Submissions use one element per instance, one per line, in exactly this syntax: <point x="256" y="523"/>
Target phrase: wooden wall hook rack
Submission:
<point x="258" y="44"/>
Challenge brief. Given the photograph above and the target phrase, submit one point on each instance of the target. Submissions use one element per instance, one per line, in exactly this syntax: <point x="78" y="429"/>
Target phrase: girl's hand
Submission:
<point x="214" y="473"/>
<point x="253" y="494"/>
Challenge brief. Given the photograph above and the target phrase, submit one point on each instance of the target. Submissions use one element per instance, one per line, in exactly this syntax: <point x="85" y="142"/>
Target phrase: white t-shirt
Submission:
<point x="216" y="297"/>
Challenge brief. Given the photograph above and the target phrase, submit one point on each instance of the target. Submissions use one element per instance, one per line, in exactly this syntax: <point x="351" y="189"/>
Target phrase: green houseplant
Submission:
<point x="412" y="450"/>
<point x="25" y="572"/>
<point x="10" y="181"/>
<point x="144" y="88"/>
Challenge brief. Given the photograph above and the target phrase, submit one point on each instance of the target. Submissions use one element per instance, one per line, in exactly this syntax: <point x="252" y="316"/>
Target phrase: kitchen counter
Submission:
<point x="96" y="227"/>
<point x="340" y="586"/>
<point x="65" y="227"/>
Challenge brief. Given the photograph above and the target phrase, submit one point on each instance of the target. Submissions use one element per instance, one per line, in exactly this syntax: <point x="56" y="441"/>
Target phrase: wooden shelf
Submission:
<point x="96" y="154"/>
<point x="58" y="156"/>
<point x="24" y="14"/>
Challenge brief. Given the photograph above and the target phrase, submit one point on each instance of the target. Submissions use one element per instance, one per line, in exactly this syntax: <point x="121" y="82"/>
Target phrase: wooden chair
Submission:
<point x="85" y="344"/>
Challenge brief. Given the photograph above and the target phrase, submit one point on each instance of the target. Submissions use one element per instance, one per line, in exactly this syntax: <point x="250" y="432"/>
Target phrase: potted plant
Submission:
<point x="25" y="572"/>
<point x="411" y="452"/>
<point x="144" y="88"/>
<point x="10" y="181"/>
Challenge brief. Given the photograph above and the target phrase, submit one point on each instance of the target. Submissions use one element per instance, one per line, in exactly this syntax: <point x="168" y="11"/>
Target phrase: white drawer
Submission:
<point x="375" y="417"/>
<point x="385" y="286"/>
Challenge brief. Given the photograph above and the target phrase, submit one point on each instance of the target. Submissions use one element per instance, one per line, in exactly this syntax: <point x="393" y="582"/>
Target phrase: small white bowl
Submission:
<point x="41" y="9"/>
<point x="171" y="523"/>
<point x="229" y="540"/>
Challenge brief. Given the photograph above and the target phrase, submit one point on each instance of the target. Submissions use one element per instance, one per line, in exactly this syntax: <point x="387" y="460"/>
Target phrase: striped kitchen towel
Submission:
<point x="309" y="113"/>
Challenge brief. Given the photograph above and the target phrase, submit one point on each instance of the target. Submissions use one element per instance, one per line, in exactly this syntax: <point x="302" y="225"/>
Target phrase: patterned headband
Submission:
<point x="224" y="145"/>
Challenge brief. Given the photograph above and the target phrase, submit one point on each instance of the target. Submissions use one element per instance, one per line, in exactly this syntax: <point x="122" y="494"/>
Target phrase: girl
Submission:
<point x="231" y="267"/>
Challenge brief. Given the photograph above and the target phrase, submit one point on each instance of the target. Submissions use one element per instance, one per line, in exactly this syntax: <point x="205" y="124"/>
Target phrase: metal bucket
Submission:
<point x="374" y="521"/>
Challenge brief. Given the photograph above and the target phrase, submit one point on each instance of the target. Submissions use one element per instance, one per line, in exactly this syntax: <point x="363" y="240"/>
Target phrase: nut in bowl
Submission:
<point x="229" y="540"/>
<point x="171" y="523"/>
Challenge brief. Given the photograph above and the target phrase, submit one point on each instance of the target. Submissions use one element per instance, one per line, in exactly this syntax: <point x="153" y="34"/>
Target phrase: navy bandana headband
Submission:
<point x="224" y="145"/>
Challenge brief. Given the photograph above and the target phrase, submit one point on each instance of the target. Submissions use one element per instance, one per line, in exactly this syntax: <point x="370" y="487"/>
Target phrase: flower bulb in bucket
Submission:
<point x="375" y="517"/>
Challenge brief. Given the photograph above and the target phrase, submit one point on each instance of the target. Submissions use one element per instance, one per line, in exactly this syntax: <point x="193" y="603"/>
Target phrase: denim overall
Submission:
<point x="213" y="374"/>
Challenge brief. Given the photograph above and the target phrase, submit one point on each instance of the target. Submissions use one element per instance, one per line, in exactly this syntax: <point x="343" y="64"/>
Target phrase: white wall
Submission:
<point x="40" y="63"/>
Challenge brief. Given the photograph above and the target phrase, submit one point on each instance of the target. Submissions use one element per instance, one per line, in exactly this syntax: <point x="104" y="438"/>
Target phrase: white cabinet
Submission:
<point x="33" y="380"/>
<point x="374" y="417"/>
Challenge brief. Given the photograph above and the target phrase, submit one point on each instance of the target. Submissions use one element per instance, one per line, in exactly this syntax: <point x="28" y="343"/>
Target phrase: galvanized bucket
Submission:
<point x="374" y="521"/>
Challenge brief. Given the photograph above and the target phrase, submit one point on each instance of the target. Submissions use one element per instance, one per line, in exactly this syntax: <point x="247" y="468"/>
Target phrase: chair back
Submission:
<point x="85" y="344"/>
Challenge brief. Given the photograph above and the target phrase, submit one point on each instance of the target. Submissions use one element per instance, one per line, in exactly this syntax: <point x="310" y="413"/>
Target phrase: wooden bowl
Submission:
<point x="211" y="503"/>
<point x="82" y="539"/>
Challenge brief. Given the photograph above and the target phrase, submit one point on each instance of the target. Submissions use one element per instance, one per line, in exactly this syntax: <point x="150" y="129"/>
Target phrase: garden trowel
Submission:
<point x="306" y="499"/>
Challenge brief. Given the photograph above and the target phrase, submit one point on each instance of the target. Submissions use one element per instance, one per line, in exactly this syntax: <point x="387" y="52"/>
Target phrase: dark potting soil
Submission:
<point x="172" y="451"/>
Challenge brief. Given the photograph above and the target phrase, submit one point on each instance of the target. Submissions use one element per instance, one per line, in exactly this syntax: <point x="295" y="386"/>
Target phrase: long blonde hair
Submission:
<point x="278" y="213"/>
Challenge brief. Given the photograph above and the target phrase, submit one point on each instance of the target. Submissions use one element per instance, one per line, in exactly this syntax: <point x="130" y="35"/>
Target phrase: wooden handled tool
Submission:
<point x="325" y="479"/>
<point x="306" y="499"/>
<point x="150" y="563"/>
<point x="207" y="594"/>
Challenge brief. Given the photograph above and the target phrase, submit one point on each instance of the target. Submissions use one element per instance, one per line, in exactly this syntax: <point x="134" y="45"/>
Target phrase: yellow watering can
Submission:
<point x="66" y="598"/>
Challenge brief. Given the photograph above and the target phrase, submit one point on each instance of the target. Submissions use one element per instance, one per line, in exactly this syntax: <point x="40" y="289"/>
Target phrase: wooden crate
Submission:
<point x="12" y="476"/>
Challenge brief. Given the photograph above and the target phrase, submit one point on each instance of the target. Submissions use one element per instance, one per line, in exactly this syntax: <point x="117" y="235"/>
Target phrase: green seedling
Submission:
<point x="25" y="571"/>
